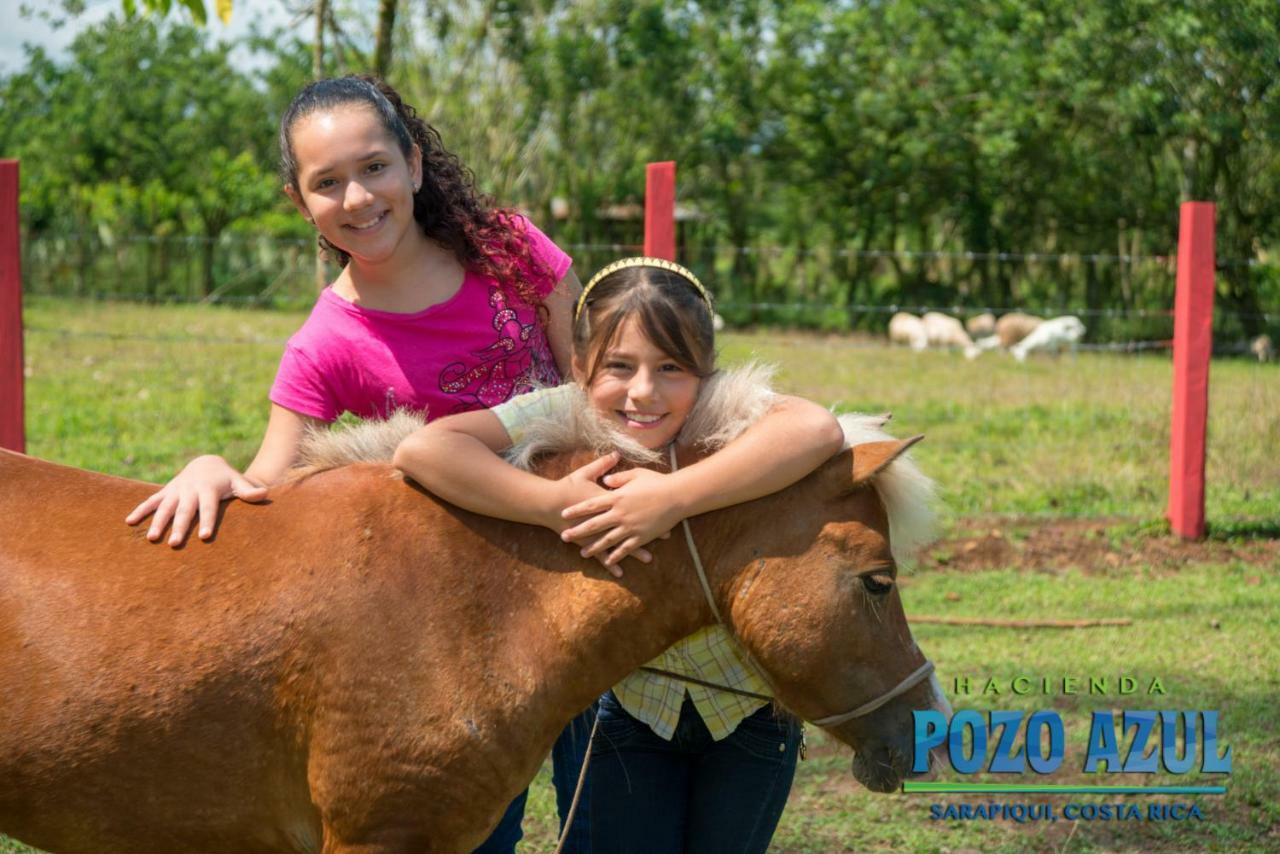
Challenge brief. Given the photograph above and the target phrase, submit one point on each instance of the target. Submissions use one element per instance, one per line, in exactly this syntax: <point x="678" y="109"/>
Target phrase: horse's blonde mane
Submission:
<point x="730" y="402"/>
<point x="908" y="495"/>
<point x="372" y="441"/>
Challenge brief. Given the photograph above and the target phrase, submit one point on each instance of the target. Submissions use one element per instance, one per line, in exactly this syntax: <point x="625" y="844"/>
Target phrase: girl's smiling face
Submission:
<point x="641" y="389"/>
<point x="354" y="182"/>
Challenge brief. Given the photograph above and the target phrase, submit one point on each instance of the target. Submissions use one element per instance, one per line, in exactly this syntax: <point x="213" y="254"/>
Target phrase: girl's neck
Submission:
<point x="420" y="274"/>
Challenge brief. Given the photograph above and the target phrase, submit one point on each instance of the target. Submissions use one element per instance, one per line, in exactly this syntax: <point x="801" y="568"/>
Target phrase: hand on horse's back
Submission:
<point x="194" y="494"/>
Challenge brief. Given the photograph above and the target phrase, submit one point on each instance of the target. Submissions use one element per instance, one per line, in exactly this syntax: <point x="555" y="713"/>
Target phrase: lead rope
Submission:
<point x="586" y="759"/>
<point x="715" y="611"/>
<point x="577" y="790"/>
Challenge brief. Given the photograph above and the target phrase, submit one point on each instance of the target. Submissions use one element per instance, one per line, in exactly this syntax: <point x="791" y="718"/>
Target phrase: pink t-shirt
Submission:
<point x="473" y="351"/>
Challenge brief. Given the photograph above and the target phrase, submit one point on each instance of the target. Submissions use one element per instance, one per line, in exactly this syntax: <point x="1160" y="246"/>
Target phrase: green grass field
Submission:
<point x="136" y="391"/>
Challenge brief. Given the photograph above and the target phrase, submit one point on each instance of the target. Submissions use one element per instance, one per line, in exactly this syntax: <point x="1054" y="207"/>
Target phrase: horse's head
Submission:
<point x="816" y="601"/>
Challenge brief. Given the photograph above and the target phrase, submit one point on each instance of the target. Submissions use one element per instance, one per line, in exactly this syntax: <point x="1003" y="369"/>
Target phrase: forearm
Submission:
<point x="272" y="463"/>
<point x="264" y="475"/>
<point x="280" y="445"/>
<point x="460" y="469"/>
<point x="790" y="441"/>
<point x="559" y="305"/>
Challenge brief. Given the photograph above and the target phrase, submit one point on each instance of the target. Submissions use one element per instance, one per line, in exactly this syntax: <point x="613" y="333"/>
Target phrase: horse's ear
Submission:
<point x="871" y="458"/>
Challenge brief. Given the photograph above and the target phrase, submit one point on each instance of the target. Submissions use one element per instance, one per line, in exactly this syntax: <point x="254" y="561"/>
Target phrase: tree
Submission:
<point x="386" y="28"/>
<point x="195" y="8"/>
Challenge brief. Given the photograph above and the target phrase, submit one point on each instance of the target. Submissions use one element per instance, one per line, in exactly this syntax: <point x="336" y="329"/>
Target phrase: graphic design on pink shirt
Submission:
<point x="517" y="362"/>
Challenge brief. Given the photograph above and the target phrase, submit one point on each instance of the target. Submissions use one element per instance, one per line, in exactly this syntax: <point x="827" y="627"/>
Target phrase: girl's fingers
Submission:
<point x="598" y="547"/>
<point x="164" y="512"/>
<point x="606" y="542"/>
<point x="246" y="490"/>
<point x="182" y="520"/>
<point x="208" y="502"/>
<point x="591" y="527"/>
<point x="597" y="468"/>
<point x="613" y="568"/>
<point x="590" y="507"/>
<point x="622" y="478"/>
<point x="144" y="509"/>
<point x="630" y="548"/>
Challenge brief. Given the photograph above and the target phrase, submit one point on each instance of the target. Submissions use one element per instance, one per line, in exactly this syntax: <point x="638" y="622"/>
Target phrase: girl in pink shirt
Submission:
<point x="444" y="303"/>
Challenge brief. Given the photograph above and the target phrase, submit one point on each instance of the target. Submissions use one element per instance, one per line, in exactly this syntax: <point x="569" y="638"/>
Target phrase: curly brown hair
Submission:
<point x="485" y="238"/>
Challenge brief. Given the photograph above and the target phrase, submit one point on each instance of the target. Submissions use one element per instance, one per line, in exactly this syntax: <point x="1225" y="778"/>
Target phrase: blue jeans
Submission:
<point x="692" y="793"/>
<point x="566" y="761"/>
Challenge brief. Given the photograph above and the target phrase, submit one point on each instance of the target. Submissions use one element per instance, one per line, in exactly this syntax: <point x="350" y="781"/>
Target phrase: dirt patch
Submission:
<point x="1088" y="545"/>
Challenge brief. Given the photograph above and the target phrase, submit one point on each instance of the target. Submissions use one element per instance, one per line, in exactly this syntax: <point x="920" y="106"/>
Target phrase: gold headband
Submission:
<point x="642" y="261"/>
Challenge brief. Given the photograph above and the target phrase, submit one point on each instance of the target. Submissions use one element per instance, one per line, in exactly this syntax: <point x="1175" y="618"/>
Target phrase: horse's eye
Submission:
<point x="877" y="583"/>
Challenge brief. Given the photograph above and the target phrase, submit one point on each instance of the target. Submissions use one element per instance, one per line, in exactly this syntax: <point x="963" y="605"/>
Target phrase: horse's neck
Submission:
<point x="575" y="630"/>
<point x="606" y="628"/>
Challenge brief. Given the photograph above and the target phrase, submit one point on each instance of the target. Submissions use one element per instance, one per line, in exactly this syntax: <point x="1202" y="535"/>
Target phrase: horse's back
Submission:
<point x="121" y="663"/>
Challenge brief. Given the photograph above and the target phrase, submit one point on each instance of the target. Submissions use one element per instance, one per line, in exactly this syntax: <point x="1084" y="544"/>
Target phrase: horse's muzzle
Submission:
<point x="882" y="765"/>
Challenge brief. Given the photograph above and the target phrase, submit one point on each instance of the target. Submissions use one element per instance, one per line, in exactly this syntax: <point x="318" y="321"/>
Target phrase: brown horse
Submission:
<point x="357" y="666"/>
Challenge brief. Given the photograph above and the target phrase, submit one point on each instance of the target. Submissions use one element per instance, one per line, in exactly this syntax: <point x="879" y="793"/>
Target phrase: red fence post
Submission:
<point x="12" y="429"/>
<point x="660" y="210"/>
<point x="1192" y="347"/>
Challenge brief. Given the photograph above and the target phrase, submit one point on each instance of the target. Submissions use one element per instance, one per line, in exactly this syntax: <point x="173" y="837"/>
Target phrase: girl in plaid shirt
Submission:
<point x="677" y="765"/>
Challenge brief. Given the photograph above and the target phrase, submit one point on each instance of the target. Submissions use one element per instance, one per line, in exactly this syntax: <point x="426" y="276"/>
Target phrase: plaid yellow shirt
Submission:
<point x="710" y="654"/>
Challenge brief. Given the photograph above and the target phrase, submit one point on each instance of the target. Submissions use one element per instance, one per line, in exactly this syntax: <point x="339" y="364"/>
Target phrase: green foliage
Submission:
<point x="139" y="105"/>
<point x="194" y="7"/>
<point x="145" y="136"/>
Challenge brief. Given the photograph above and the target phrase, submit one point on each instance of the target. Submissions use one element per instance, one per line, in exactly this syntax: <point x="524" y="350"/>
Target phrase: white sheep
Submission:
<point x="1056" y="335"/>
<point x="908" y="329"/>
<point x="943" y="330"/>
<point x="1262" y="348"/>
